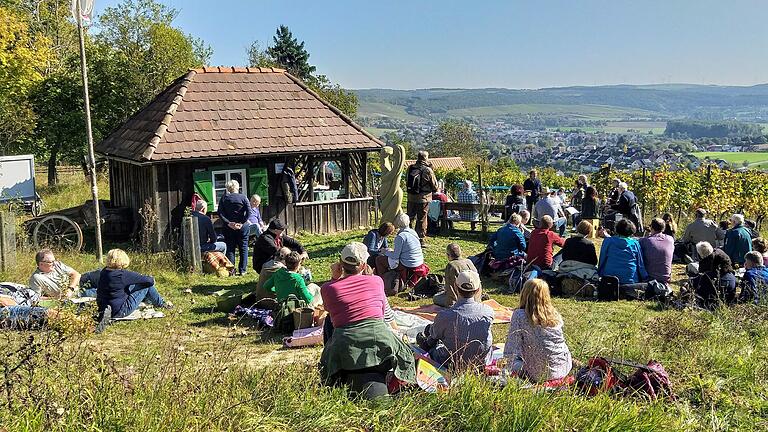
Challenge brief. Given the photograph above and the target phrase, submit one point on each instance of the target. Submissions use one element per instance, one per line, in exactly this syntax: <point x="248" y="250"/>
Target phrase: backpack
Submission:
<point x="430" y="285"/>
<point x="608" y="288"/>
<point x="651" y="380"/>
<point x="518" y="277"/>
<point x="418" y="180"/>
<point x="656" y="290"/>
<point x="597" y="376"/>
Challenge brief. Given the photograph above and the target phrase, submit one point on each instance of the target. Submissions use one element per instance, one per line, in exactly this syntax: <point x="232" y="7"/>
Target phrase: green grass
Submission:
<point x="198" y="370"/>
<point x="757" y="160"/>
<point x="378" y="132"/>
<point x="593" y="112"/>
<point x="381" y="109"/>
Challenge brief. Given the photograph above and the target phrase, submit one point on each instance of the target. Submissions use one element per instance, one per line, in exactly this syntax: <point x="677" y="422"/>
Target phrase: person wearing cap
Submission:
<point x="233" y="211"/>
<point x="532" y="188"/>
<point x="737" y="240"/>
<point x="268" y="243"/>
<point x="549" y="205"/>
<point x="535" y="346"/>
<point x="460" y="336"/>
<point x="456" y="264"/>
<point x="360" y="349"/>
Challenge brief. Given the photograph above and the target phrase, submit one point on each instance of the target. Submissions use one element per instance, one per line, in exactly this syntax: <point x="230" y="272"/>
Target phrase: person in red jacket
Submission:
<point x="540" y="245"/>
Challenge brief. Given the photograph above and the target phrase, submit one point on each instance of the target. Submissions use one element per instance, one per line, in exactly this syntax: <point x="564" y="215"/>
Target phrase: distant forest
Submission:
<point x="700" y="129"/>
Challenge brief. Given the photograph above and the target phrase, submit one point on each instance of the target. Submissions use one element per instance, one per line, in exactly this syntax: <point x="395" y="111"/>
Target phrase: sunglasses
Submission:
<point x="48" y="262"/>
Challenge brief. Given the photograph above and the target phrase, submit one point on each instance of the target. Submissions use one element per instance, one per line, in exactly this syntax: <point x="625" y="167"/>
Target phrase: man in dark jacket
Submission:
<point x="420" y="184"/>
<point x="532" y="187"/>
<point x="628" y="207"/>
<point x="208" y="239"/>
<point x="234" y="209"/>
<point x="270" y="241"/>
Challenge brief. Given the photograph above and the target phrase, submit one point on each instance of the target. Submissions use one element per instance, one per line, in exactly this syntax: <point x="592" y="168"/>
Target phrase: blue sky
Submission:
<point x="515" y="44"/>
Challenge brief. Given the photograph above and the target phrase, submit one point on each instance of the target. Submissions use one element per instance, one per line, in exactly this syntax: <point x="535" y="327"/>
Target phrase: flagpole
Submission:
<point x="89" y="132"/>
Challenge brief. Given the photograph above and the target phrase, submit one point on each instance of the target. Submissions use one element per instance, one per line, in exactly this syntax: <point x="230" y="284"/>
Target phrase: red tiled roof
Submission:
<point x="223" y="112"/>
<point x="442" y="163"/>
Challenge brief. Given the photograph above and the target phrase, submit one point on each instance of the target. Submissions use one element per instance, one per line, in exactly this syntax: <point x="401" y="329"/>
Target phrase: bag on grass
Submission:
<point x="651" y="380"/>
<point x="597" y="376"/>
<point x="518" y="277"/>
<point x="430" y="285"/>
<point x="608" y="288"/>
<point x="656" y="290"/>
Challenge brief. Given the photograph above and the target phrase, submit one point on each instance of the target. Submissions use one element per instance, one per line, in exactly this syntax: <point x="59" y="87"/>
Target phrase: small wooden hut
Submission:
<point x="260" y="126"/>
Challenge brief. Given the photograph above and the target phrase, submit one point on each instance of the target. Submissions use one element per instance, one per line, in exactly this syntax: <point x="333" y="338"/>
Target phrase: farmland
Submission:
<point x="757" y="160"/>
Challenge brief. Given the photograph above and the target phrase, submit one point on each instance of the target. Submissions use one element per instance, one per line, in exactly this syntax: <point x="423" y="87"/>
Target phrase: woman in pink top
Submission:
<point x="360" y="350"/>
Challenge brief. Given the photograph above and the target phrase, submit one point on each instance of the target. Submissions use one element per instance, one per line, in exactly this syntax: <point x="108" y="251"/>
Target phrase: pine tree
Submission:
<point x="290" y="54"/>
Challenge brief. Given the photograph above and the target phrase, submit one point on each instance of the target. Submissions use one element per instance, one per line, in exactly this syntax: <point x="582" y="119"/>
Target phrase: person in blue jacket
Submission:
<point x="754" y="284"/>
<point x="621" y="256"/>
<point x="121" y="291"/>
<point x="737" y="240"/>
<point x="234" y="210"/>
<point x="508" y="240"/>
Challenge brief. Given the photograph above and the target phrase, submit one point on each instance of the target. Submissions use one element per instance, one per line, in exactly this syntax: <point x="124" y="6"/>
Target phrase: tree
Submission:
<point x="455" y="138"/>
<point x="289" y="53"/>
<point x="22" y="62"/>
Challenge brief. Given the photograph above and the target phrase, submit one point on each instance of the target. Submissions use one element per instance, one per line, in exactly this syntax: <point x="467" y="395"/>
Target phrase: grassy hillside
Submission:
<point x="198" y="369"/>
<point x="755" y="159"/>
<point x="587" y="112"/>
<point x="383" y="109"/>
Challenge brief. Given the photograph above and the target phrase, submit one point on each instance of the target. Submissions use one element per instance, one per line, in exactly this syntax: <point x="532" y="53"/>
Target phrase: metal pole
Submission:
<point x="89" y="131"/>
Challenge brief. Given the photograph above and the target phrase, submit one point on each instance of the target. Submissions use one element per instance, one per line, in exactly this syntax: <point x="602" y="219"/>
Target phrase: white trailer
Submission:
<point x="17" y="184"/>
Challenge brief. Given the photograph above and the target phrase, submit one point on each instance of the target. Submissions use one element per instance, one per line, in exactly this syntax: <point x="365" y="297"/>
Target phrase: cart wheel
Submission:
<point x="37" y="208"/>
<point x="58" y="232"/>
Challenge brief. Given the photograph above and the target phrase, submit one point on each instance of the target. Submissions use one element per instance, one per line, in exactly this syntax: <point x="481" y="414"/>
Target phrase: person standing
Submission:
<point x="532" y="187"/>
<point x="420" y="184"/>
<point x="234" y="210"/>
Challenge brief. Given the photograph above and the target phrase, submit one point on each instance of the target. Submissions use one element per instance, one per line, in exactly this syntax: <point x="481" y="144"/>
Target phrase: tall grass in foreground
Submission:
<point x="50" y="384"/>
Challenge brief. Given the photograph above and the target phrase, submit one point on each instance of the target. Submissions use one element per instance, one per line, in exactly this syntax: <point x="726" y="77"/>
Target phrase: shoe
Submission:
<point x="106" y="316"/>
<point x="166" y="305"/>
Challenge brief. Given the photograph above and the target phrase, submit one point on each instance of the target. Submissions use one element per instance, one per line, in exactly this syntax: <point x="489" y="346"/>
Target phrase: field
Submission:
<point x="587" y="112"/>
<point x="379" y="109"/>
<point x="378" y="132"/>
<point x="757" y="160"/>
<point x="197" y="369"/>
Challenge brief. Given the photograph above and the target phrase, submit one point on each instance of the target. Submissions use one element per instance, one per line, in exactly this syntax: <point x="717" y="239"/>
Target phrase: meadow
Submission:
<point x="199" y="369"/>
<point x="755" y="160"/>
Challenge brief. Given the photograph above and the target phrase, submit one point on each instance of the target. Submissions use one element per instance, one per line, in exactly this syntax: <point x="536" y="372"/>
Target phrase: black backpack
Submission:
<point x="418" y="180"/>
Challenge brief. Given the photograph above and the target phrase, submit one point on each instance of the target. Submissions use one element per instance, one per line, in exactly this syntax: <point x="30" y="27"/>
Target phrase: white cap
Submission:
<point x="468" y="281"/>
<point x="354" y="253"/>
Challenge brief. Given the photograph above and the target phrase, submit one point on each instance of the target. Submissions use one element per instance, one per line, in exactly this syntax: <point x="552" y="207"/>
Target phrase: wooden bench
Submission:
<point x="482" y="209"/>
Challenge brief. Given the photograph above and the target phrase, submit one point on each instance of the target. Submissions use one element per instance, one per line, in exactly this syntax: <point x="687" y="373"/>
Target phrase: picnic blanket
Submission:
<point x="304" y="337"/>
<point x="501" y="314"/>
<point x="145" y="313"/>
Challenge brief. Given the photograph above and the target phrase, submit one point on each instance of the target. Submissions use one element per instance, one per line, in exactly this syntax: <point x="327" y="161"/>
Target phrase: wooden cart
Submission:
<point x="63" y="229"/>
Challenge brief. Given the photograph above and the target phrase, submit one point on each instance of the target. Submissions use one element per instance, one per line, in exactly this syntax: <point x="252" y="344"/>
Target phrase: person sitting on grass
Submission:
<point x="737" y="240"/>
<point x="670" y="227"/>
<point x="268" y="243"/>
<point x="460" y="336"/>
<point x="20" y="317"/>
<point x="658" y="249"/>
<point x="53" y="278"/>
<point x="508" y="241"/>
<point x="760" y="245"/>
<point x="754" y="284"/>
<point x="376" y="241"/>
<point x="621" y="256"/>
<point x="541" y="246"/>
<point x="360" y="350"/>
<point x="536" y="347"/>
<point x="121" y="291"/>
<point x="578" y="257"/>
<point x="456" y="264"/>
<point x="287" y="281"/>
<point x="525" y="217"/>
<point x="208" y="239"/>
<point x="715" y="284"/>
<point x="267" y="270"/>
